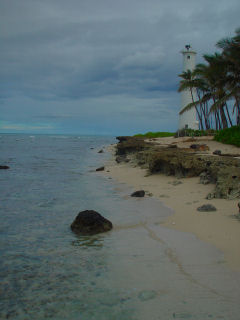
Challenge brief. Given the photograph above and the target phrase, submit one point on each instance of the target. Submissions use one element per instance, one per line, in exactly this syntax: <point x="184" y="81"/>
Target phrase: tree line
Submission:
<point x="215" y="86"/>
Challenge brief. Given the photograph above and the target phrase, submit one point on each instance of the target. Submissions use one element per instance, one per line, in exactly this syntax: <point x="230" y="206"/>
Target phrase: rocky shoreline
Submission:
<point x="198" y="179"/>
<point x="196" y="160"/>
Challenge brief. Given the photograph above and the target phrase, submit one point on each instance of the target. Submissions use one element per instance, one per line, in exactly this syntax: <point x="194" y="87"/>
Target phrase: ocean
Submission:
<point x="132" y="272"/>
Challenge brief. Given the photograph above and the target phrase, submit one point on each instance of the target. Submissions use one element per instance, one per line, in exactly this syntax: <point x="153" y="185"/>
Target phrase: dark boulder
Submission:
<point x="217" y="152"/>
<point x="4" y="167"/>
<point x="139" y="193"/>
<point x="206" y="208"/>
<point x="90" y="222"/>
<point x="100" y="169"/>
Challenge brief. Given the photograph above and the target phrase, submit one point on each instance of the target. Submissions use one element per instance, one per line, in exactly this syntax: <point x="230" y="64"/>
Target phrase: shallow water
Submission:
<point x="139" y="270"/>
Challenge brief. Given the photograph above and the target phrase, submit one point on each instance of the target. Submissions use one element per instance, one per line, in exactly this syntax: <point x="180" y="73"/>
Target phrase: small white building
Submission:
<point x="188" y="119"/>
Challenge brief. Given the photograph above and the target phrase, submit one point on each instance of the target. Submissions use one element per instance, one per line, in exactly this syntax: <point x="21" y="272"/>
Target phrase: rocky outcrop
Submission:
<point x="221" y="170"/>
<point x="227" y="183"/>
<point x="90" y="222"/>
<point x="130" y="144"/>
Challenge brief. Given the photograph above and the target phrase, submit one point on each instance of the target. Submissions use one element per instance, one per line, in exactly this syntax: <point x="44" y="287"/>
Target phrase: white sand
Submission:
<point x="219" y="228"/>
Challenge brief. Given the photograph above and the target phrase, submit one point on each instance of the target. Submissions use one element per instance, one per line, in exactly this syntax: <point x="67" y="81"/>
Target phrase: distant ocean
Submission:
<point x="47" y="272"/>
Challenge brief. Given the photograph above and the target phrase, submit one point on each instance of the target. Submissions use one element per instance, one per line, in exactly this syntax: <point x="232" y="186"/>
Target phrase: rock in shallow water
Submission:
<point x="4" y="167"/>
<point x="147" y="295"/>
<point x="90" y="222"/>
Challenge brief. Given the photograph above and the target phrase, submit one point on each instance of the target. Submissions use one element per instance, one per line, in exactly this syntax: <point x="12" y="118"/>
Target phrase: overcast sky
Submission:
<point x="101" y="66"/>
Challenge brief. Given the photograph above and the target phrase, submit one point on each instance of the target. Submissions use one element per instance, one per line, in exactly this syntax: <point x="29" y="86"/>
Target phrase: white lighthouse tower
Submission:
<point x="188" y="119"/>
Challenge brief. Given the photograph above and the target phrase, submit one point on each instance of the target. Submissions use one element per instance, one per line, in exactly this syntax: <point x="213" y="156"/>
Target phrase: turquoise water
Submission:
<point x="139" y="270"/>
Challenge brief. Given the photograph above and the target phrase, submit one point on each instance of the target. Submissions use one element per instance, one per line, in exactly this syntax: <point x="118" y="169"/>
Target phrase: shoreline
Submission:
<point x="220" y="228"/>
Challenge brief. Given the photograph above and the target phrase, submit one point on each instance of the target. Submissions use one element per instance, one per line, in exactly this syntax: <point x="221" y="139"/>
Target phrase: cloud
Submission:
<point x="23" y="127"/>
<point x="59" y="58"/>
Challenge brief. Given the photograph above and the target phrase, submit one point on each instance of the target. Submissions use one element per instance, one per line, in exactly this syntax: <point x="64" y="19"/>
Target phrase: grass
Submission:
<point x="155" y="135"/>
<point x="229" y="136"/>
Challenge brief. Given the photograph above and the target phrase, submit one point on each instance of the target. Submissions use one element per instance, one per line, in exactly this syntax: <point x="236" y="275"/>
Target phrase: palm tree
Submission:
<point x="188" y="83"/>
<point x="216" y="83"/>
<point x="231" y="55"/>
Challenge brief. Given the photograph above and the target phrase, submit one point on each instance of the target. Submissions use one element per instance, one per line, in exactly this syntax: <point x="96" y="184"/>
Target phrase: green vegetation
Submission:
<point x="155" y="135"/>
<point x="229" y="136"/>
<point x="217" y="86"/>
<point x="194" y="133"/>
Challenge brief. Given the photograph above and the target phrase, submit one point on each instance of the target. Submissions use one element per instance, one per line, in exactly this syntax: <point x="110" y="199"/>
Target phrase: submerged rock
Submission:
<point x="4" y="167"/>
<point x="206" y="208"/>
<point x="90" y="222"/>
<point x="139" y="193"/>
<point x="147" y="295"/>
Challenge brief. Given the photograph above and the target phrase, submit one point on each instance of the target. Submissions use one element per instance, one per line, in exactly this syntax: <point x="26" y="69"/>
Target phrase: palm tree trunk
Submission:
<point x="237" y="107"/>
<point x="219" y="125"/>
<point x="223" y="117"/>
<point x="198" y="114"/>
<point x="229" y="118"/>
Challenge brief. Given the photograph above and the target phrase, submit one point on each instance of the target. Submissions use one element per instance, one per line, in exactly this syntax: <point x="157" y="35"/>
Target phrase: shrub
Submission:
<point x="155" y="135"/>
<point x="229" y="136"/>
<point x="194" y="133"/>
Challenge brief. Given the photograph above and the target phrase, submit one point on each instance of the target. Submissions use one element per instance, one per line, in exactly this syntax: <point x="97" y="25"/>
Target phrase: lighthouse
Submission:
<point x="188" y="119"/>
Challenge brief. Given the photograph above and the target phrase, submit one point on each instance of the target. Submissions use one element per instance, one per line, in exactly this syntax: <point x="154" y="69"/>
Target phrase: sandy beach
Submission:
<point x="220" y="228"/>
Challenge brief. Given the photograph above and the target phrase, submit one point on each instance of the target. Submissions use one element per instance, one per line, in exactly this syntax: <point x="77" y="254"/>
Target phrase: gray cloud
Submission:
<point x="72" y="62"/>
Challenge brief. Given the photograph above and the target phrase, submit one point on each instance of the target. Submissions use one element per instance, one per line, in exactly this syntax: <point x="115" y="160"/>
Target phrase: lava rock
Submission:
<point x="100" y="169"/>
<point x="4" y="167"/>
<point x="123" y="138"/>
<point x="139" y="193"/>
<point x="90" y="222"/>
<point x="206" y="208"/>
<point x="175" y="183"/>
<point x="199" y="147"/>
<point x="217" y="152"/>
<point x="205" y="178"/>
<point x="210" y="196"/>
<point x="120" y="159"/>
